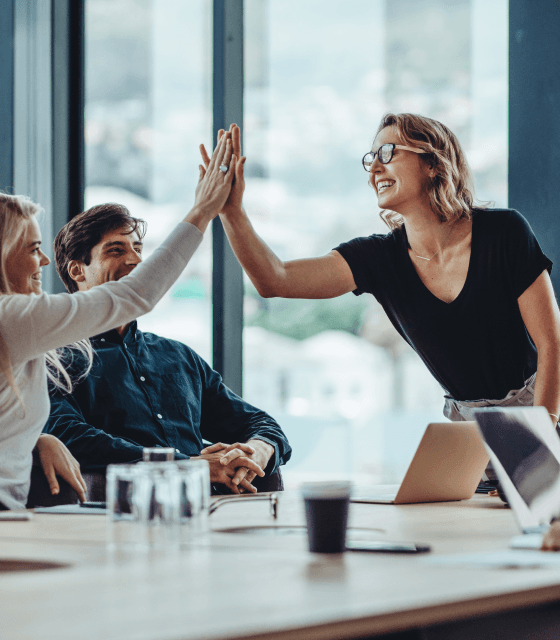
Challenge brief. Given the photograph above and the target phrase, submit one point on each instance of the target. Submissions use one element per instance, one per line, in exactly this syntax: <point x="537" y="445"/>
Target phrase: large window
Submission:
<point x="352" y="396"/>
<point x="148" y="107"/>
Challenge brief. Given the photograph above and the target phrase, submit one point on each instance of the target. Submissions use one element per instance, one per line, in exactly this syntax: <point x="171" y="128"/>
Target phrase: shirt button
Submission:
<point x="177" y="450"/>
<point x="159" y="416"/>
<point x="142" y="379"/>
<point x="125" y="346"/>
<point x="102" y="339"/>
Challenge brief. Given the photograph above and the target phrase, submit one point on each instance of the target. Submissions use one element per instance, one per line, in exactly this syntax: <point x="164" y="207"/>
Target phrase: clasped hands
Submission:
<point x="236" y="465"/>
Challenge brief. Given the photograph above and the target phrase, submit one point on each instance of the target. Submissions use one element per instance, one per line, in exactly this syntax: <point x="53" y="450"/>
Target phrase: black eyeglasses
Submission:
<point x="385" y="154"/>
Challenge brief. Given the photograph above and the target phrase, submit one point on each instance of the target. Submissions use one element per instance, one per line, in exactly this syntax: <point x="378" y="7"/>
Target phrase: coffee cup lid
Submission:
<point x="327" y="489"/>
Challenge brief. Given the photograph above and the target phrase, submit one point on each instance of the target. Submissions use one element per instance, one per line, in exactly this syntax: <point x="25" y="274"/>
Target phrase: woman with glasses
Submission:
<point x="467" y="287"/>
<point x="34" y="324"/>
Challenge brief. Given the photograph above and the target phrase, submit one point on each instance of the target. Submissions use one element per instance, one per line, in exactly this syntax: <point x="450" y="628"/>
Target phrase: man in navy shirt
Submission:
<point x="144" y="390"/>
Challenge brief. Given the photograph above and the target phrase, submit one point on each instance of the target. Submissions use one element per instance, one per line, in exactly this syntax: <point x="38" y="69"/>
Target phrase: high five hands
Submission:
<point x="234" y="200"/>
<point x="214" y="184"/>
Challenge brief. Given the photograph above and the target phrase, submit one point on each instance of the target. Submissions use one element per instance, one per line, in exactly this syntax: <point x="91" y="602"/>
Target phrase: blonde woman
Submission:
<point x="467" y="287"/>
<point x="33" y="323"/>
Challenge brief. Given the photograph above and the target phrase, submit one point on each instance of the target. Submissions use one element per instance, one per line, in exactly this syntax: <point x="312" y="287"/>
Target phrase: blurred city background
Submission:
<point x="351" y="395"/>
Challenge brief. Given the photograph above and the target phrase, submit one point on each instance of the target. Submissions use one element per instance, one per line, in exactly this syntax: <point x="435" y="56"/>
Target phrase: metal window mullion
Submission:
<point x="534" y="126"/>
<point x="32" y="130"/>
<point x="227" y="276"/>
<point x="7" y="96"/>
<point x="68" y="83"/>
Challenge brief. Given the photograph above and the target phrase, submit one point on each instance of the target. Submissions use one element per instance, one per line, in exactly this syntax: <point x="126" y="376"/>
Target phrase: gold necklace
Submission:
<point x="442" y="247"/>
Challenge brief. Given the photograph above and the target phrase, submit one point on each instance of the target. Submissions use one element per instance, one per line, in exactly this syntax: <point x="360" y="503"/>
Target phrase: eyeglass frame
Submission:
<point x="393" y="147"/>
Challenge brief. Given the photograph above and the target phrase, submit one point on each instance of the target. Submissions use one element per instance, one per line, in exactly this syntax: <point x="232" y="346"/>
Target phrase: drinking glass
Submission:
<point x="194" y="497"/>
<point x="126" y="490"/>
<point x="158" y="454"/>
<point x="161" y="503"/>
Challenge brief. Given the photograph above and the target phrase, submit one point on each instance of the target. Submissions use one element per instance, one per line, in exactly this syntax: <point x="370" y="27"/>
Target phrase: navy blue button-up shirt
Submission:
<point x="147" y="391"/>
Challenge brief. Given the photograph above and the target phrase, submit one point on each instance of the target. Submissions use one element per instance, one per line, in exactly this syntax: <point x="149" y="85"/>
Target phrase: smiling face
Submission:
<point x="26" y="260"/>
<point x="401" y="184"/>
<point x="114" y="257"/>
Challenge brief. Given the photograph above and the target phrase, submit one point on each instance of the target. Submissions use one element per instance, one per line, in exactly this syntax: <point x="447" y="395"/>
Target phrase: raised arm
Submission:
<point x="323" y="277"/>
<point x="35" y="324"/>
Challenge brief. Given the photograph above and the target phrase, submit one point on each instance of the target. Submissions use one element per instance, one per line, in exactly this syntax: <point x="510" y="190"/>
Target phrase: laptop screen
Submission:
<point x="525" y="452"/>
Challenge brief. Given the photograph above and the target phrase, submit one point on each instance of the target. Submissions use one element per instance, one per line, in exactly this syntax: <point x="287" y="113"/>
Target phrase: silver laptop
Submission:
<point x="524" y="449"/>
<point x="448" y="465"/>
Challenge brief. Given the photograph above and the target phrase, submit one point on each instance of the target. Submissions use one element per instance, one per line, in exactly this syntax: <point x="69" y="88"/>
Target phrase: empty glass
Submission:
<point x="161" y="503"/>
<point x="143" y="504"/>
<point x="194" y="497"/>
<point x="158" y="454"/>
<point x="157" y="504"/>
<point x="126" y="489"/>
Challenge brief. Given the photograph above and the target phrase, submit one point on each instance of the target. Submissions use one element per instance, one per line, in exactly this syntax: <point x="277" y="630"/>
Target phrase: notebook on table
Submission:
<point x="447" y="466"/>
<point x="525" y="452"/>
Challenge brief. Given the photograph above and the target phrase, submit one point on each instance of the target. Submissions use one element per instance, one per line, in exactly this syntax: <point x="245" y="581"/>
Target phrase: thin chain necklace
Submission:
<point x="442" y="247"/>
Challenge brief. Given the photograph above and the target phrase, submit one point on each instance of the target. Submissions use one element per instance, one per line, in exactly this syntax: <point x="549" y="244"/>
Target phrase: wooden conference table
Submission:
<point x="265" y="584"/>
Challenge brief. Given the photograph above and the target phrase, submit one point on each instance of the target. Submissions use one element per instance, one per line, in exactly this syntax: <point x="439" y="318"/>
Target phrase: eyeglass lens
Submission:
<point x="384" y="153"/>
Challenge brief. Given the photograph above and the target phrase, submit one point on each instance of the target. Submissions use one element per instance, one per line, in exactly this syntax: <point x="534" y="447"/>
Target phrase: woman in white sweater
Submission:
<point x="33" y="323"/>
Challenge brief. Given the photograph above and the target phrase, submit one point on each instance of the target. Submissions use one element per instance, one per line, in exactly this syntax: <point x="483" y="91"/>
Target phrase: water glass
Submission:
<point x="126" y="490"/>
<point x="161" y="503"/>
<point x="194" y="497"/>
<point x="143" y="505"/>
<point x="158" y="454"/>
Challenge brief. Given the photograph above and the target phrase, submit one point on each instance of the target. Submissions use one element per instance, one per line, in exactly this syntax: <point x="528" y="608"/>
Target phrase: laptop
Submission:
<point x="525" y="452"/>
<point x="447" y="466"/>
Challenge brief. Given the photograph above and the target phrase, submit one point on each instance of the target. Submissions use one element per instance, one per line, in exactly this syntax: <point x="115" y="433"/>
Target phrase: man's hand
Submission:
<point x="224" y="465"/>
<point x="235" y="198"/>
<point x="56" y="459"/>
<point x="257" y="451"/>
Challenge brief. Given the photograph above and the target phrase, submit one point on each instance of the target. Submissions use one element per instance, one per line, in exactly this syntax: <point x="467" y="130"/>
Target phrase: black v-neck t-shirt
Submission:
<point x="477" y="346"/>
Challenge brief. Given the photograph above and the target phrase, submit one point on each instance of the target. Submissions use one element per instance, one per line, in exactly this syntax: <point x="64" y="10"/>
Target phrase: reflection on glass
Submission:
<point x="148" y="107"/>
<point x="353" y="398"/>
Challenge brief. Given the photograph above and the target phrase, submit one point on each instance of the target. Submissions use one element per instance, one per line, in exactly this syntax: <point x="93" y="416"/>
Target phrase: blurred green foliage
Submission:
<point x="301" y="319"/>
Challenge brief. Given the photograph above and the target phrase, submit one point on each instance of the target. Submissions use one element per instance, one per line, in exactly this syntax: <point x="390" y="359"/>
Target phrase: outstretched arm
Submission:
<point x="323" y="277"/>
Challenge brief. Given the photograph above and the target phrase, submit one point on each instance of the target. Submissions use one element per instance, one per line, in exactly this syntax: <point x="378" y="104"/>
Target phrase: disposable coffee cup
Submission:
<point x="326" y="513"/>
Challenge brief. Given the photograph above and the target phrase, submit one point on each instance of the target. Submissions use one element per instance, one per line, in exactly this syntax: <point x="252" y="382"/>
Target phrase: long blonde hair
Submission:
<point x="14" y="212"/>
<point x="451" y="190"/>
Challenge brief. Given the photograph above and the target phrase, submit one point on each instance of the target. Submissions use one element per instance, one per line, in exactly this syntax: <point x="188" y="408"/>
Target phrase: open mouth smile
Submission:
<point x="384" y="185"/>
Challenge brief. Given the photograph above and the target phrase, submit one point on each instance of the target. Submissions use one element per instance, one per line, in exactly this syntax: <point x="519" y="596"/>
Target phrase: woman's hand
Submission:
<point x="235" y="198"/>
<point x="214" y="185"/>
<point x="551" y="539"/>
<point x="57" y="460"/>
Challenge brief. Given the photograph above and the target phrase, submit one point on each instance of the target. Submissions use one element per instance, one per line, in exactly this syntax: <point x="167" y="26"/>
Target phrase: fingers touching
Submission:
<point x="224" y="448"/>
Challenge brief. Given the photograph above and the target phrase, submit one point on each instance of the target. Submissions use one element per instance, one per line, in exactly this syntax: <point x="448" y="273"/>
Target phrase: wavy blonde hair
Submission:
<point x="14" y="212"/>
<point x="451" y="190"/>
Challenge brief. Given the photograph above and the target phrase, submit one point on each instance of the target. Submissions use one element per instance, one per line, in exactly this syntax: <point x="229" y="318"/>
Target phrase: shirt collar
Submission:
<point x="131" y="335"/>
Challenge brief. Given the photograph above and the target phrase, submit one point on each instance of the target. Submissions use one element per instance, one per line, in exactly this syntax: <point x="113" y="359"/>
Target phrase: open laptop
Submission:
<point x="525" y="452"/>
<point x="447" y="465"/>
